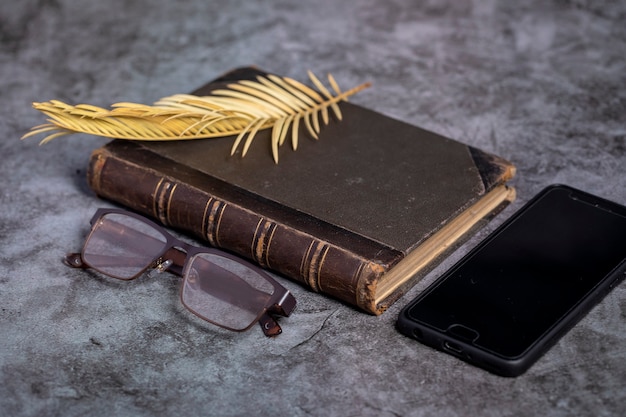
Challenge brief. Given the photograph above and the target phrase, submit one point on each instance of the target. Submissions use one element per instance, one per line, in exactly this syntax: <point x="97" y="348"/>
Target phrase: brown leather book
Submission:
<point x="360" y="214"/>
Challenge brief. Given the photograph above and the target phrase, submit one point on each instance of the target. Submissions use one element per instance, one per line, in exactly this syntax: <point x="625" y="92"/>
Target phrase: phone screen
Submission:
<point x="529" y="275"/>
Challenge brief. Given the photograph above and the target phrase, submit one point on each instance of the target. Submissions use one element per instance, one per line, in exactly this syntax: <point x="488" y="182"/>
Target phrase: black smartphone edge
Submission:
<point x="503" y="366"/>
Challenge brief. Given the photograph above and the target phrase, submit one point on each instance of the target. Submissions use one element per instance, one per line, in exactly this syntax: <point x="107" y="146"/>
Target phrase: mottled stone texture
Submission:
<point x="542" y="83"/>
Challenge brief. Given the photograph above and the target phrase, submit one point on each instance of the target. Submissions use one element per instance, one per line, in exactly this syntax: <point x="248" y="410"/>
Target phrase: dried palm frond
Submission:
<point x="241" y="109"/>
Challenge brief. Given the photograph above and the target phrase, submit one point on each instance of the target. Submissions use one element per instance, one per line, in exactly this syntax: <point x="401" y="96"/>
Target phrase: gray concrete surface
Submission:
<point x="542" y="83"/>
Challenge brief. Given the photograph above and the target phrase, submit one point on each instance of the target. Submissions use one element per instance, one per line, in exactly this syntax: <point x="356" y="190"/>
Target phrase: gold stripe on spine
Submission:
<point x="205" y="218"/>
<point x="213" y="217"/>
<point x="304" y="265"/>
<point x="162" y="201"/>
<point x="312" y="263"/>
<point x="169" y="204"/>
<point x="270" y="236"/>
<point x="255" y="250"/>
<point x="260" y="243"/>
<point x="155" y="199"/>
<point x="318" y="266"/>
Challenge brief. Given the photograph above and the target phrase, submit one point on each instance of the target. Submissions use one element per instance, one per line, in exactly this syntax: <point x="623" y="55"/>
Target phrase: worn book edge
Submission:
<point x="443" y="240"/>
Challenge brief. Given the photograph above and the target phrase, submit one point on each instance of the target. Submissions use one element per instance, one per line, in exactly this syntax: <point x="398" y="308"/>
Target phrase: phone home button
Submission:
<point x="463" y="332"/>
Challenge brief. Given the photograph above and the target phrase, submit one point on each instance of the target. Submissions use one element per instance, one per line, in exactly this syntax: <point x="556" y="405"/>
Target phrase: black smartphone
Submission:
<point x="509" y="299"/>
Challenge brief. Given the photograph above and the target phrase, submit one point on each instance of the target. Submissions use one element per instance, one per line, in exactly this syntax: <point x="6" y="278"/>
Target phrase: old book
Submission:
<point x="360" y="214"/>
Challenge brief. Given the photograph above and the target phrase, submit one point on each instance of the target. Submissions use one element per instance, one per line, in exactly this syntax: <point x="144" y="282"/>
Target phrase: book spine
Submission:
<point x="317" y="264"/>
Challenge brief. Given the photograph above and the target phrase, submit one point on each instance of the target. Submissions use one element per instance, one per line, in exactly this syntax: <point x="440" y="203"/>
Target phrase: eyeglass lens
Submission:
<point x="224" y="291"/>
<point x="122" y="246"/>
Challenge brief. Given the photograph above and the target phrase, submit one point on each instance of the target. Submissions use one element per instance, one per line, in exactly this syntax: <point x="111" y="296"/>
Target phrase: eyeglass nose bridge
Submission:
<point x="177" y="254"/>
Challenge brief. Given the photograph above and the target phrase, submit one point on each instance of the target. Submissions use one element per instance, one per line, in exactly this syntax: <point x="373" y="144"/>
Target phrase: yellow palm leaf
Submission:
<point x="241" y="110"/>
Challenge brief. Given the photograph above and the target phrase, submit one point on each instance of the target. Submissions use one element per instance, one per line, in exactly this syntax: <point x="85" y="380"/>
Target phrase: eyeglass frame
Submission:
<point x="173" y="258"/>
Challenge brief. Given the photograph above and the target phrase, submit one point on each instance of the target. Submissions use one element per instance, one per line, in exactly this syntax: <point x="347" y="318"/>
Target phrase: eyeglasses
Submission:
<point x="217" y="286"/>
